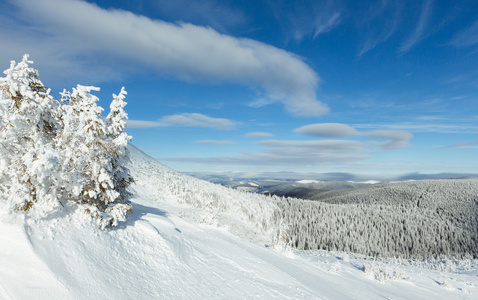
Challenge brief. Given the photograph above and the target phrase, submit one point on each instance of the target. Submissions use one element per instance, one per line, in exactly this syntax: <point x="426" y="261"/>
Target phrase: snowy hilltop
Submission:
<point x="86" y="215"/>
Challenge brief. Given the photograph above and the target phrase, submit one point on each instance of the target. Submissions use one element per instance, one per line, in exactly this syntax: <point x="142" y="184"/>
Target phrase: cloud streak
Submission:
<point x="428" y="127"/>
<point x="214" y="142"/>
<point x="327" y="130"/>
<point x="117" y="40"/>
<point x="301" y="19"/>
<point x="185" y="120"/>
<point x="459" y="145"/>
<point x="417" y="33"/>
<point x="275" y="160"/>
<point x="379" y="23"/>
<point x="315" y="153"/>
<point x="395" y="139"/>
<point x="259" y="134"/>
<point x="467" y="37"/>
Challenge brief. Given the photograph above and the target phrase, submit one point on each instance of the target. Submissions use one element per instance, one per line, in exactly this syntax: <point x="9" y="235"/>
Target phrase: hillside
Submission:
<point x="178" y="245"/>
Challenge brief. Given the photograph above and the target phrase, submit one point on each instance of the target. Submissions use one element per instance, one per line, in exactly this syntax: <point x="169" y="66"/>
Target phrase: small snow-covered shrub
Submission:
<point x="62" y="151"/>
<point x="383" y="273"/>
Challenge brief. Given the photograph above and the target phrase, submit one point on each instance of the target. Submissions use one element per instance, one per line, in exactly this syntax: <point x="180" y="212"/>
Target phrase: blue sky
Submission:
<point x="369" y="87"/>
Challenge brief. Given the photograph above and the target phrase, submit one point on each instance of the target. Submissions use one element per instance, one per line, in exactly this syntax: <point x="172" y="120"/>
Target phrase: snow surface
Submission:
<point x="164" y="252"/>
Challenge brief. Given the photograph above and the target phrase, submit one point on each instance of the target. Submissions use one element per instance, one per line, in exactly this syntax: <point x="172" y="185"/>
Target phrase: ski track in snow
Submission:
<point x="159" y="254"/>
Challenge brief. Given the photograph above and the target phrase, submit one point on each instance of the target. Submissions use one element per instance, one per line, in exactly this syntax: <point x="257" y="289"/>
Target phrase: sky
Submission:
<point x="367" y="87"/>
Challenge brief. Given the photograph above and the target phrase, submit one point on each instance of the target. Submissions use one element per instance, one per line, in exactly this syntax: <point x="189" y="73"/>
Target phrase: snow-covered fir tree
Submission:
<point x="118" y="139"/>
<point x="28" y="159"/>
<point x="62" y="152"/>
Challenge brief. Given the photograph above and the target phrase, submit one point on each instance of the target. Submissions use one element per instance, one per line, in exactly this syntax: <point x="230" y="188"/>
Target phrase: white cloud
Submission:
<point x="215" y="142"/>
<point x="467" y="37"/>
<point x="315" y="153"/>
<point x="425" y="127"/>
<point x="417" y="33"/>
<point x="259" y="134"/>
<point x="459" y="145"/>
<point x="78" y="33"/>
<point x="395" y="139"/>
<point x="184" y="120"/>
<point x="325" y="23"/>
<point x="301" y="19"/>
<point x="214" y="13"/>
<point x="197" y="120"/>
<point x="142" y="124"/>
<point x="379" y="23"/>
<point x="275" y="160"/>
<point x="312" y="147"/>
<point x="327" y="130"/>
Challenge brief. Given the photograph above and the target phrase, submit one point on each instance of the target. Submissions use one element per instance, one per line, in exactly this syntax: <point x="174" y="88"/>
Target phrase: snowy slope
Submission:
<point x="178" y="245"/>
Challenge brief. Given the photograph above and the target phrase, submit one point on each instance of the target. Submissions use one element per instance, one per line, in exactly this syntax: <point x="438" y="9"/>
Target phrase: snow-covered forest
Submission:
<point x="420" y="219"/>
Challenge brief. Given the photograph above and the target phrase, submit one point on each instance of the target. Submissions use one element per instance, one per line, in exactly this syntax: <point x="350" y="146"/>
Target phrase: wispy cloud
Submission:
<point x="184" y="120"/>
<point x="420" y="127"/>
<point x="197" y="120"/>
<point x="215" y="142"/>
<point x="417" y="33"/>
<point x="315" y="153"/>
<point x="327" y="130"/>
<point x="108" y="42"/>
<point x="379" y="24"/>
<point x="130" y="124"/>
<point x="307" y="147"/>
<point x="280" y="159"/>
<point x="467" y="37"/>
<point x="395" y="139"/>
<point x="457" y="98"/>
<point x="259" y="134"/>
<point x="325" y="23"/>
<point x="302" y="19"/>
<point x="459" y="145"/>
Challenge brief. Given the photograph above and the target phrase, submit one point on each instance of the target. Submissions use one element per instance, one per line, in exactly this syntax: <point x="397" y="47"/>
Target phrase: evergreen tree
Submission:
<point x="118" y="138"/>
<point x="62" y="151"/>
<point x="96" y="152"/>
<point x="119" y="155"/>
<point x="28" y="158"/>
